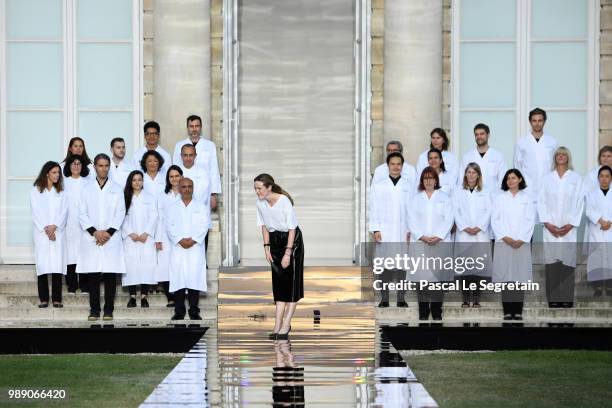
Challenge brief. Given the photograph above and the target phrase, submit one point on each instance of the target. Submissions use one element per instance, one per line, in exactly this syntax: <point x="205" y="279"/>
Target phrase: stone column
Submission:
<point x="413" y="72"/>
<point x="182" y="66"/>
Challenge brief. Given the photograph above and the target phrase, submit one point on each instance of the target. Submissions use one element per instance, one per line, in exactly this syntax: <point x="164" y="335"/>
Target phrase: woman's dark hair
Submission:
<point x="429" y="171"/>
<point x="434" y="150"/>
<point x="72" y="159"/>
<point x="143" y="161"/>
<point x="604" y="168"/>
<point x="268" y="181"/>
<point x="128" y="191"/>
<point x="168" y="185"/>
<point x="517" y="173"/>
<point x="41" y="180"/>
<point x="442" y="133"/>
<point x="84" y="157"/>
<point x="394" y="154"/>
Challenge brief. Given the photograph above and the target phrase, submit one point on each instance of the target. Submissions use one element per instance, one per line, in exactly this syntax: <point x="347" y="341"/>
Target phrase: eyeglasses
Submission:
<point x="76" y="164"/>
<point x="151" y="133"/>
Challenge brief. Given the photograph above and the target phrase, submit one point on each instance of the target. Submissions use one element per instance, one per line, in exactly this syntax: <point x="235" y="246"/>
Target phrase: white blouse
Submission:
<point x="280" y="217"/>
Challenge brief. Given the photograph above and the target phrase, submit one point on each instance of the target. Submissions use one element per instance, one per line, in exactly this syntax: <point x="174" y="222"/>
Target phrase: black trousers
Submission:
<point x="75" y="280"/>
<point x="430" y="301"/>
<point x="512" y="301"/>
<point x="110" y="289"/>
<point x="392" y="275"/>
<point x="560" y="282"/>
<point x="144" y="289"/>
<point x="471" y="295"/>
<point x="193" y="297"/>
<point x="166" y="286"/>
<point x="56" y="287"/>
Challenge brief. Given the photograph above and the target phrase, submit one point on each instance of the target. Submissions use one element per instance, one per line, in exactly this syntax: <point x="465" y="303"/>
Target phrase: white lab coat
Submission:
<point x="514" y="217"/>
<point x="451" y="164"/>
<point x="154" y="186"/>
<point x="561" y="202"/>
<point x="389" y="209"/>
<point x="433" y="216"/>
<point x="534" y="159"/>
<point x="120" y="173"/>
<point x="101" y="208"/>
<point x="164" y="154"/>
<point x="188" y="266"/>
<point x="448" y="181"/>
<point x="49" y="208"/>
<point x="599" y="262"/>
<point x="206" y="158"/>
<point x="492" y="165"/>
<point x="382" y="172"/>
<point x="201" y="182"/>
<point x="140" y="258"/>
<point x="164" y="202"/>
<point x="73" y="189"/>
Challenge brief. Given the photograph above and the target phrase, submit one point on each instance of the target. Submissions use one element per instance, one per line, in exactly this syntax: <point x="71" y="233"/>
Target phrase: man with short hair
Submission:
<point x="533" y="153"/>
<point x="101" y="213"/>
<point x="120" y="167"/>
<point x="491" y="161"/>
<point x="206" y="155"/>
<point x="152" y="134"/>
<point x="382" y="171"/>
<point x="188" y="221"/>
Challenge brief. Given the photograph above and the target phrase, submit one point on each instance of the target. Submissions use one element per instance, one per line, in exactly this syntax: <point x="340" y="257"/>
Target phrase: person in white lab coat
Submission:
<point x="604" y="158"/>
<point x="512" y="220"/>
<point x="120" y="166"/>
<point x="560" y="206"/>
<point x="187" y="223"/>
<point x="283" y="248"/>
<point x="382" y="171"/>
<point x="472" y="217"/>
<point x="77" y="146"/>
<point x="138" y="232"/>
<point x="206" y="155"/>
<point x="154" y="178"/>
<point x="491" y="161"/>
<point x="152" y="133"/>
<point x="101" y="213"/>
<point x="533" y="153"/>
<point x="447" y="178"/>
<point x="162" y="241"/>
<point x="389" y="199"/>
<point x="431" y="217"/>
<point x="440" y="141"/>
<point x="199" y="175"/>
<point x="599" y="214"/>
<point x="75" y="177"/>
<point x="49" y="207"/>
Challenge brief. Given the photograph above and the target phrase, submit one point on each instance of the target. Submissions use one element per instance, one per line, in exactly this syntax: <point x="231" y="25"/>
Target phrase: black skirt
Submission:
<point x="288" y="283"/>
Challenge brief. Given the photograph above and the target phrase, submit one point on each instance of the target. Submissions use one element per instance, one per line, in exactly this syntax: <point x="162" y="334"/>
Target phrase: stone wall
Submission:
<point x="605" y="74"/>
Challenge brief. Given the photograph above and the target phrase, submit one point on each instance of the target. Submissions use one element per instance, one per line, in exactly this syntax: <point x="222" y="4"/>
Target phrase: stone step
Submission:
<point x="266" y="311"/>
<point x="82" y="299"/>
<point x="77" y="312"/>
<point x="116" y="322"/>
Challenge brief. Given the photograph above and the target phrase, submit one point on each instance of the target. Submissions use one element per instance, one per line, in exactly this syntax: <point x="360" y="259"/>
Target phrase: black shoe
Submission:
<point x="132" y="302"/>
<point x="507" y="317"/>
<point x="568" y="305"/>
<point x="282" y="336"/>
<point x="438" y="318"/>
<point x="383" y="303"/>
<point x="144" y="302"/>
<point x="476" y="305"/>
<point x="465" y="305"/>
<point x="517" y="317"/>
<point x="170" y="304"/>
<point x="177" y="317"/>
<point x="402" y="304"/>
<point x="598" y="292"/>
<point x="423" y="317"/>
<point x="195" y="316"/>
<point x="93" y="317"/>
<point x="107" y="316"/>
<point x="43" y="305"/>
<point x="272" y="336"/>
<point x="58" y="305"/>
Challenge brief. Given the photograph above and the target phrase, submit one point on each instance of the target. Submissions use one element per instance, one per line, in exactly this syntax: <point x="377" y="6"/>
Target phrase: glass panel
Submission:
<point x="104" y="76"/>
<point x="37" y="136"/>
<point x="19" y="217"/>
<point x="488" y="75"/>
<point x="93" y="17"/>
<point x="477" y="21"/>
<point x="34" y="19"/>
<point x="559" y="18"/>
<point x="34" y="75"/>
<point x="503" y="131"/>
<point x="99" y="128"/>
<point x="570" y="129"/>
<point x="559" y="74"/>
